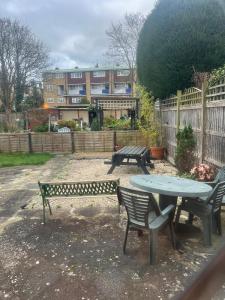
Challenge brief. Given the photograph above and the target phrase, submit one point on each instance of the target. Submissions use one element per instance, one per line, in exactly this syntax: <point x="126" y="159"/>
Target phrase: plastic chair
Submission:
<point x="143" y="213"/>
<point x="208" y="210"/>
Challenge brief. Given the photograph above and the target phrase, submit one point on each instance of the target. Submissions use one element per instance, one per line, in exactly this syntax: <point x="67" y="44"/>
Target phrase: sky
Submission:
<point x="73" y="30"/>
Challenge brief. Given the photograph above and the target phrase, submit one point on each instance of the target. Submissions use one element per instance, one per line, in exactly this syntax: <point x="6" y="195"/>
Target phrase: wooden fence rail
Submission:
<point x="204" y="110"/>
<point x="95" y="141"/>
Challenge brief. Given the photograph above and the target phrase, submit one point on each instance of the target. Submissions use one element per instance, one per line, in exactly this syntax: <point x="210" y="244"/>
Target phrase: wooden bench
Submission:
<point x="76" y="189"/>
<point x="138" y="153"/>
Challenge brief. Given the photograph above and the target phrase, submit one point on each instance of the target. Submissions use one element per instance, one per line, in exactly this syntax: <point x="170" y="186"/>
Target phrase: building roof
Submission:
<point x="74" y="70"/>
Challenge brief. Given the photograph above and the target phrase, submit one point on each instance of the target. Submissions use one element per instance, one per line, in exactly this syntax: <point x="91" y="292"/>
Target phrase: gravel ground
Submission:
<point x="78" y="253"/>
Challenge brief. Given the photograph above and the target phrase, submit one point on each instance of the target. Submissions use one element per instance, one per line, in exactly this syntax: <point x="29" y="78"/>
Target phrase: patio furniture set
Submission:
<point x="143" y="212"/>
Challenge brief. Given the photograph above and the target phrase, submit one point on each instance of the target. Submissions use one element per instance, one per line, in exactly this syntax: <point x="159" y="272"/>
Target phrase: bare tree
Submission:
<point x="22" y="58"/>
<point x="123" y="39"/>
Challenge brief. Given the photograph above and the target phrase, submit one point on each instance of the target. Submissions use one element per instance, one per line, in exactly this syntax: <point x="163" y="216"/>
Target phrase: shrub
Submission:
<point x="42" y="128"/>
<point x="117" y="124"/>
<point x="73" y="125"/>
<point x="178" y="37"/>
<point x="203" y="172"/>
<point x="148" y="123"/>
<point x="184" y="157"/>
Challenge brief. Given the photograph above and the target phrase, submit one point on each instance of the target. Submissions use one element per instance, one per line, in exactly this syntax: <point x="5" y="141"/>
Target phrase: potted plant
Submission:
<point x="149" y="124"/>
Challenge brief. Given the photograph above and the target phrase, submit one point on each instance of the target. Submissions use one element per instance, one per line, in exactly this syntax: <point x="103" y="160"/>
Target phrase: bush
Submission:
<point x="73" y="125"/>
<point x="203" y="172"/>
<point x="42" y="128"/>
<point x="117" y="124"/>
<point x="95" y="126"/>
<point x="178" y="37"/>
<point x="185" y="157"/>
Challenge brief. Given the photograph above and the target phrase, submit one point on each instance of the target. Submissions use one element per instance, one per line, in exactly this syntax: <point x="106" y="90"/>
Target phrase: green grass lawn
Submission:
<point x="19" y="159"/>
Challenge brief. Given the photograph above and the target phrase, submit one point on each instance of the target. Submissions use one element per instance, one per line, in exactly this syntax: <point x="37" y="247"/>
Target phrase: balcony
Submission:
<point x="82" y="92"/>
<point x="128" y="90"/>
<point x="105" y="91"/>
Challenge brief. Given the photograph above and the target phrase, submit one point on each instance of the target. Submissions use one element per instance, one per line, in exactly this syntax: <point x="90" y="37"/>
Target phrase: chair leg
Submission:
<point x="207" y="230"/>
<point x="125" y="239"/>
<point x="219" y="224"/>
<point x="153" y="246"/>
<point x="172" y="235"/>
<point x="177" y="218"/>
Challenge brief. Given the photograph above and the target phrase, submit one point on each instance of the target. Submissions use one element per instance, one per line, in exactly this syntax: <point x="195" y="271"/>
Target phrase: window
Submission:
<point x="99" y="74"/>
<point x="75" y="89"/>
<point x="50" y="100"/>
<point x="60" y="90"/>
<point x="123" y="73"/>
<point x="49" y="88"/>
<point x="59" y="75"/>
<point x="60" y="100"/>
<point x="76" y="100"/>
<point x="76" y="75"/>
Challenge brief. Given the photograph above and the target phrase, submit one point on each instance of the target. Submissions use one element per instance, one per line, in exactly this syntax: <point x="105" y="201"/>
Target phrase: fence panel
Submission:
<point x="14" y="142"/>
<point x="131" y="138"/>
<point x="210" y="133"/>
<point x="96" y="141"/>
<point x="51" y="142"/>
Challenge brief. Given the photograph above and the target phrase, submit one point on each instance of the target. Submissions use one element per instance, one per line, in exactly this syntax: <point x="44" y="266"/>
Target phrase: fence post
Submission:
<point x="72" y="142"/>
<point x="203" y="120"/>
<point x="179" y="94"/>
<point x="30" y="142"/>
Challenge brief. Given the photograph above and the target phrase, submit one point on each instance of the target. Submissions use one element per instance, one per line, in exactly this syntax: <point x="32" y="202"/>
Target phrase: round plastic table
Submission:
<point x="170" y="187"/>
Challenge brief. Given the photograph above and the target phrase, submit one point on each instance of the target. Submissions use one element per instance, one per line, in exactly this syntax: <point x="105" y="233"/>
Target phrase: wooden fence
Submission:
<point x="95" y="141"/>
<point x="204" y="110"/>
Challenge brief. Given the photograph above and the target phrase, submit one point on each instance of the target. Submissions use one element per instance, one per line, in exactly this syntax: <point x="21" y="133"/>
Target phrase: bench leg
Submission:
<point x="50" y="210"/>
<point x="43" y="202"/>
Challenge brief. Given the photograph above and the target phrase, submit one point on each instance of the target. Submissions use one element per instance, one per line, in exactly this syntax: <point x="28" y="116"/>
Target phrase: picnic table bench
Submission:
<point x="138" y="153"/>
<point x="76" y="189"/>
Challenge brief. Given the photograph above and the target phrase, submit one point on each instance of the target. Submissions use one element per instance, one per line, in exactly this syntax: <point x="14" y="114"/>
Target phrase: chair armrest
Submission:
<point x="168" y="210"/>
<point x="159" y="222"/>
<point x="211" y="183"/>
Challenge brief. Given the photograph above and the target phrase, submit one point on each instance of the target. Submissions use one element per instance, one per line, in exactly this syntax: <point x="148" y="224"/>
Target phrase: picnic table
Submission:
<point x="138" y="153"/>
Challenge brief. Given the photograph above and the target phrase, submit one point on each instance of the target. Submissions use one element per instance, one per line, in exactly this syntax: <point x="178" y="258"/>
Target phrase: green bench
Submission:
<point x="76" y="189"/>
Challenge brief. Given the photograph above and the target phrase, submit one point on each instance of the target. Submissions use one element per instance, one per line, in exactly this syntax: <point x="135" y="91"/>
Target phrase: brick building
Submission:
<point x="71" y="91"/>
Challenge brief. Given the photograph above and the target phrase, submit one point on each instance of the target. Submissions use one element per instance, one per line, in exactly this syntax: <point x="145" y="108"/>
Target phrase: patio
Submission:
<point x="78" y="253"/>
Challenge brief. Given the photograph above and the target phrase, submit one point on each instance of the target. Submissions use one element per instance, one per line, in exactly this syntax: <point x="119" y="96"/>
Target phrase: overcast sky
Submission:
<point x="73" y="30"/>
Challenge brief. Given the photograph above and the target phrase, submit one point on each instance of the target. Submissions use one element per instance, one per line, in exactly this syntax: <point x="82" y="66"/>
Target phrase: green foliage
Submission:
<point x="117" y="124"/>
<point x="186" y="143"/>
<point x="217" y="75"/>
<point x="178" y="37"/>
<point x="95" y="126"/>
<point x="18" y="159"/>
<point x="148" y="122"/>
<point x="187" y="176"/>
<point x="73" y="125"/>
<point x="42" y="128"/>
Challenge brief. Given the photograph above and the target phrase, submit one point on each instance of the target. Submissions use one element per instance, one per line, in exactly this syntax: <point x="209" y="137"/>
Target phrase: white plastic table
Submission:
<point x="170" y="187"/>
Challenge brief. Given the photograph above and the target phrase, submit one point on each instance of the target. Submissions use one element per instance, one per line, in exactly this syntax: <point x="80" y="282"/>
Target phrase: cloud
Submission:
<point x="73" y="30"/>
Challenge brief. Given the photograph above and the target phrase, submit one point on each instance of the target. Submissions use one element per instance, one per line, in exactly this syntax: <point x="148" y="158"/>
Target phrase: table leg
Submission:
<point x="111" y="169"/>
<point x="165" y="200"/>
<point x="142" y="165"/>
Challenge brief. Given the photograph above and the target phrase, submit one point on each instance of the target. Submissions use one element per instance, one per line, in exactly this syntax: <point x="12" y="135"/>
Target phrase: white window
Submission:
<point x="59" y="75"/>
<point x="120" y="88"/>
<point x="96" y="89"/>
<point x="76" y="100"/>
<point x="75" y="89"/>
<point x="99" y="74"/>
<point x="60" y="90"/>
<point x="123" y="73"/>
<point x="50" y="100"/>
<point x="76" y="75"/>
<point x="49" y="87"/>
<point x="60" y="100"/>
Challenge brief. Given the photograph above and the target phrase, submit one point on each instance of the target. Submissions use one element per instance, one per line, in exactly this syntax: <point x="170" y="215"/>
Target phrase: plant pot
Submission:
<point x="157" y="152"/>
